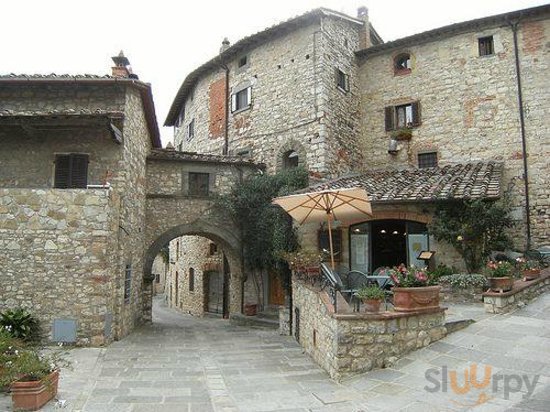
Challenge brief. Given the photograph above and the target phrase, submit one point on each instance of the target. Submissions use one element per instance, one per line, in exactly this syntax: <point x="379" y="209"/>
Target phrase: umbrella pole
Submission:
<point x="330" y="241"/>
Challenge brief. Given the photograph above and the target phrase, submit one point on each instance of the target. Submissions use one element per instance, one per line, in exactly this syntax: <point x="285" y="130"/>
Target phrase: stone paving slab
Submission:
<point x="183" y="363"/>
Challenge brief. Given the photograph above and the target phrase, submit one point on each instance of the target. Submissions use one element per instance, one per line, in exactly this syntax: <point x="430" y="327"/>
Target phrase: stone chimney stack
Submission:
<point x="122" y="66"/>
<point x="363" y="14"/>
<point x="225" y="45"/>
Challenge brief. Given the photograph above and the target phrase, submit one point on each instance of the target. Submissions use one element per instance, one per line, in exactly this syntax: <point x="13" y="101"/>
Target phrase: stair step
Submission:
<point x="254" y="321"/>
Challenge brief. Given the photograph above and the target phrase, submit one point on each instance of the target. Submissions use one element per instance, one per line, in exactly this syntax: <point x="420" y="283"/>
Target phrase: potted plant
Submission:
<point x="31" y="377"/>
<point x="372" y="296"/>
<point x="500" y="276"/>
<point x="304" y="263"/>
<point x="414" y="289"/>
<point x="530" y="269"/>
<point x="402" y="134"/>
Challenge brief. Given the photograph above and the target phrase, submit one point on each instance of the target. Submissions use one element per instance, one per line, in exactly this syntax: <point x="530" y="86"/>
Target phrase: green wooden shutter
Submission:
<point x="62" y="171"/>
<point x="390" y="118"/>
<point x="415" y="113"/>
<point x="79" y="171"/>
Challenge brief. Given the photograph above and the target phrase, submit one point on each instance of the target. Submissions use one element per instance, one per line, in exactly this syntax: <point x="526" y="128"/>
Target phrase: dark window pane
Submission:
<point x="486" y="46"/>
<point x="427" y="160"/>
<point x="199" y="184"/>
<point x="402" y="62"/>
<point x="242" y="99"/>
<point x="127" y="283"/>
<point x="336" y="242"/>
<point x="71" y="171"/>
<point x="191" y="279"/>
<point x="290" y="159"/>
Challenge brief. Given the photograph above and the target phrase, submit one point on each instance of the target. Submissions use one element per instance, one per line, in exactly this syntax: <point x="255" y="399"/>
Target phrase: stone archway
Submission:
<point x="291" y="146"/>
<point x="223" y="235"/>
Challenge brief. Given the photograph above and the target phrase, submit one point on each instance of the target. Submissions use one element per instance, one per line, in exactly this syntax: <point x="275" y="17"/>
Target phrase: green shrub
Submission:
<point x="464" y="281"/>
<point x="442" y="270"/>
<point x="21" y="325"/>
<point x="370" y="293"/>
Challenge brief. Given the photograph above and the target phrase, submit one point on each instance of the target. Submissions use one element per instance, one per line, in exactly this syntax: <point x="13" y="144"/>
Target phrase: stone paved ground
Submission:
<point x="181" y="363"/>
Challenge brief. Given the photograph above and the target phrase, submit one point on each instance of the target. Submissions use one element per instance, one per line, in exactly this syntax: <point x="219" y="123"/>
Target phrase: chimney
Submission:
<point x="363" y="15"/>
<point x="225" y="45"/>
<point x="122" y="66"/>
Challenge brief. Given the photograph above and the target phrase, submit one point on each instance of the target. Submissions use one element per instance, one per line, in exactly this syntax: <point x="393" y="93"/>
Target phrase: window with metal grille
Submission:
<point x="427" y="160"/>
<point x="127" y="283"/>
<point x="71" y="171"/>
<point x="486" y="46"/>
<point x="199" y="184"/>
<point x="342" y="80"/>
<point x="191" y="279"/>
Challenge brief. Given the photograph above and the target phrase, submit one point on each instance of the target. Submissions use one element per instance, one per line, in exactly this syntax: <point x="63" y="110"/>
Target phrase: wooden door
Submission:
<point x="276" y="290"/>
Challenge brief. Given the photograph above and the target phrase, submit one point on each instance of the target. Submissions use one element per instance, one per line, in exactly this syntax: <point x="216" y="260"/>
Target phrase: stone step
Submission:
<point x="254" y="321"/>
<point x="457" y="325"/>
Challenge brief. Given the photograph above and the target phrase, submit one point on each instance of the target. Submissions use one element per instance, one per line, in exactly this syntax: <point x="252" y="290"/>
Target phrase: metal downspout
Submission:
<point x="514" y="27"/>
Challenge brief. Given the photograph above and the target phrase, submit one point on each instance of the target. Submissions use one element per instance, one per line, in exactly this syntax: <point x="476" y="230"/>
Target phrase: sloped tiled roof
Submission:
<point x="460" y="181"/>
<point x="174" y="155"/>
<point x="60" y="113"/>
<point x="53" y="78"/>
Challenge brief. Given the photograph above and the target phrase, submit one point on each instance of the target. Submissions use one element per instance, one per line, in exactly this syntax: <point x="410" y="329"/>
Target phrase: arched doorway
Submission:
<point x="387" y="242"/>
<point x="229" y="245"/>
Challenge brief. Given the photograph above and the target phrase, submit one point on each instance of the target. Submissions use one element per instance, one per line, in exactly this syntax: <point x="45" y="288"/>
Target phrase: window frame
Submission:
<point x="235" y="107"/>
<point x="482" y="43"/>
<point x="426" y="163"/>
<point x="190" y="132"/>
<point x="342" y="80"/>
<point x="391" y="116"/>
<point x="193" y="191"/>
<point x="402" y="70"/>
<point x="71" y="175"/>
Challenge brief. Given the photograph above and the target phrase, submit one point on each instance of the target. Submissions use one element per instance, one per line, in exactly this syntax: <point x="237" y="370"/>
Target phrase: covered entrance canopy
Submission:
<point x="387" y="241"/>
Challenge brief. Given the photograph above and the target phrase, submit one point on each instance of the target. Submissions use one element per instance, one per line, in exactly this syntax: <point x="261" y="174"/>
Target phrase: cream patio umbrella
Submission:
<point x="327" y="205"/>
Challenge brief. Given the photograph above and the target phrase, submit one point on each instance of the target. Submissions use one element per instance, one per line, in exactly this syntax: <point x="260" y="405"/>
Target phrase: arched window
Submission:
<point x="402" y="63"/>
<point x="290" y="159"/>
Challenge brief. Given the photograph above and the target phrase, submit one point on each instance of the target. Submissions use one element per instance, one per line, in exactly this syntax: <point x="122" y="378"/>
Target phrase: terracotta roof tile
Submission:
<point x="459" y="181"/>
<point x="167" y="154"/>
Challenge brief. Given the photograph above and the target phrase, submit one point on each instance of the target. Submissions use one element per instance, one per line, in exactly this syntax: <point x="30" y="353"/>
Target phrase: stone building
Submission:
<point x="159" y="270"/>
<point x="452" y="113"/>
<point x="72" y="200"/>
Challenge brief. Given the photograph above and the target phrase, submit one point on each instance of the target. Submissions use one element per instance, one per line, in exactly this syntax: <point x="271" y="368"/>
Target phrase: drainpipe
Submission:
<point x="514" y="27"/>
<point x="226" y="125"/>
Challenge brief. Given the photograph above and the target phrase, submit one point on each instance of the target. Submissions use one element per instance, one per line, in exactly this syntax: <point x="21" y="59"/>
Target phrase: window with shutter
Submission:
<point x="71" y="171"/>
<point x="342" y="80"/>
<point x="241" y="100"/>
<point x="390" y="114"/>
<point x="402" y="116"/>
<point x="199" y="184"/>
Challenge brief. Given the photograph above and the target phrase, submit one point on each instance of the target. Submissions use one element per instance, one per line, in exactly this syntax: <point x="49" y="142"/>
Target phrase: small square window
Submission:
<point x="426" y="160"/>
<point x="342" y="80"/>
<point x="243" y="61"/>
<point x="486" y="46"/>
<point x="199" y="184"/>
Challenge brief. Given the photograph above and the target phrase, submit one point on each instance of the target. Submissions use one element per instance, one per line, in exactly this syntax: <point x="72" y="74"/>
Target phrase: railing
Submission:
<point x="331" y="281"/>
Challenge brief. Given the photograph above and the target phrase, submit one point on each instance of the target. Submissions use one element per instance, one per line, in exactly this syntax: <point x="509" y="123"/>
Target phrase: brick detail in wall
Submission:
<point x="216" y="94"/>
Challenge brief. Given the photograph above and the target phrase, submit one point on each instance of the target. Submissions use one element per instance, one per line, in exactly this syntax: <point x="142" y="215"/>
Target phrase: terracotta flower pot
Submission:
<point x="250" y="309"/>
<point x="416" y="299"/>
<point x="531" y="274"/>
<point x="372" y="305"/>
<point x="31" y="396"/>
<point x="501" y="284"/>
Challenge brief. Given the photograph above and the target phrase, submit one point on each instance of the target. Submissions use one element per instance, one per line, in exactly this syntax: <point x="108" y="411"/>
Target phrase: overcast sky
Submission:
<point x="165" y="40"/>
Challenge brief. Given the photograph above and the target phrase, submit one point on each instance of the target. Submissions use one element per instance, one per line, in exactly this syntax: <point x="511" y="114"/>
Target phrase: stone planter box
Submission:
<point x="31" y="396"/>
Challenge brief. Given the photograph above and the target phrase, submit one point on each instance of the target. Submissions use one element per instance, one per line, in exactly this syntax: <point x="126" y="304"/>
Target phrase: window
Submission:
<point x="198" y="184"/>
<point x="191" y="279"/>
<point x="241" y="99"/>
<point x="127" y="283"/>
<point x="191" y="130"/>
<point x="243" y="61"/>
<point x="71" y="171"/>
<point x="427" y="160"/>
<point x="486" y="46"/>
<point x="402" y="63"/>
<point x="213" y="249"/>
<point x="403" y="116"/>
<point x="157" y="278"/>
<point x="290" y="159"/>
<point x="342" y="80"/>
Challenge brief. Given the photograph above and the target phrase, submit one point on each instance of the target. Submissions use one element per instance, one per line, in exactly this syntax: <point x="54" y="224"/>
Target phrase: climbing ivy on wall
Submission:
<point x="474" y="227"/>
<point x="266" y="229"/>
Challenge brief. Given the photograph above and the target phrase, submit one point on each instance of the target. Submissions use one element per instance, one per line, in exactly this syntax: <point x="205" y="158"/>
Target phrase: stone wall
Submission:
<point x="160" y="268"/>
<point x="58" y="259"/>
<point x="521" y="294"/>
<point x="469" y="110"/>
<point x="295" y="102"/>
<point x="347" y="344"/>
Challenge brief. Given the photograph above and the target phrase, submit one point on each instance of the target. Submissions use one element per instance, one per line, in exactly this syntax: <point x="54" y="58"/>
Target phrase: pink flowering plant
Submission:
<point x="498" y="269"/>
<point x="410" y="277"/>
